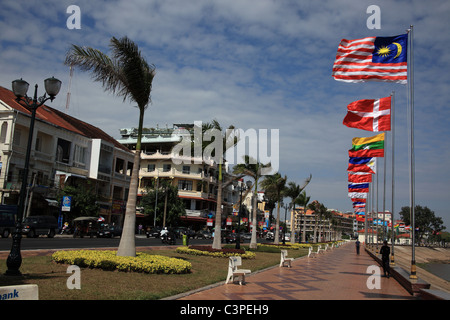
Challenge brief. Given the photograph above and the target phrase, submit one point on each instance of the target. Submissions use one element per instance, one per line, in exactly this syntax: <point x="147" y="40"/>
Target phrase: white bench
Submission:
<point x="234" y="272"/>
<point x="313" y="253"/>
<point x="285" y="260"/>
<point x="326" y="248"/>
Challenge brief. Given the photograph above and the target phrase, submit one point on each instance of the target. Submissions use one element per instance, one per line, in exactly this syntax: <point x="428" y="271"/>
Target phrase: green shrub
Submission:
<point x="108" y="260"/>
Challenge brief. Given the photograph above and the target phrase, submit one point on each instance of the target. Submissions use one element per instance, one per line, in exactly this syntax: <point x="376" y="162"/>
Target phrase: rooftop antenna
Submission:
<point x="68" y="90"/>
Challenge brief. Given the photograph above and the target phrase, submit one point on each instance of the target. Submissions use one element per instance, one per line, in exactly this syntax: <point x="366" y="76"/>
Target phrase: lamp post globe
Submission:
<point x="52" y="87"/>
<point x="20" y="88"/>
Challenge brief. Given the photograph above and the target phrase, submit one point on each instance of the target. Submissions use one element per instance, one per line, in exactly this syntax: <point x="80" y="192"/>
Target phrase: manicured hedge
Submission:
<point x="108" y="260"/>
<point x="220" y="253"/>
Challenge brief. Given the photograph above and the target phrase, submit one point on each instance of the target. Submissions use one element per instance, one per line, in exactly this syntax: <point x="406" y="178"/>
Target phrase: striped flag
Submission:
<point x="367" y="147"/>
<point x="362" y="195"/>
<point x="372" y="59"/>
<point x="359" y="177"/>
<point x="369" y="114"/>
<point x="358" y="187"/>
<point x="362" y="164"/>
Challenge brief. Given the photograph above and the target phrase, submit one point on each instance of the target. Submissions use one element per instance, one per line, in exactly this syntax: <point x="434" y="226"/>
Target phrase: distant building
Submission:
<point x="196" y="178"/>
<point x="64" y="150"/>
<point x="329" y="227"/>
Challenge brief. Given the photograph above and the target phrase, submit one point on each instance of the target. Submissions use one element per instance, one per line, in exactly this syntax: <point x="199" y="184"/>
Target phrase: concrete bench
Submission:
<point x="234" y="272"/>
<point x="285" y="260"/>
<point x="312" y="253"/>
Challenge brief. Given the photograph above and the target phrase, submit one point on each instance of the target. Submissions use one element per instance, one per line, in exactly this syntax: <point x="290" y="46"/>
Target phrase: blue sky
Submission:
<point x="255" y="64"/>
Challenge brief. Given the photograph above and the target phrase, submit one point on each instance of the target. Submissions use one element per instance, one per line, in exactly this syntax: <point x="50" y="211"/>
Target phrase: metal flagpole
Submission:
<point x="384" y="194"/>
<point x="392" y="178"/>
<point x="366" y="215"/>
<point x="411" y="137"/>
<point x="376" y="216"/>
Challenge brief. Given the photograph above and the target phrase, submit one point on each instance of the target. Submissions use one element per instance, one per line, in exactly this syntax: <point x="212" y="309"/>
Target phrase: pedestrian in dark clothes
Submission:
<point x="357" y="243"/>
<point x="385" y="251"/>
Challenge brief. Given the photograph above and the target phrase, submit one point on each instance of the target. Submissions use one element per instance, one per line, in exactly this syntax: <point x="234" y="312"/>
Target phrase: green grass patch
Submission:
<point x="97" y="284"/>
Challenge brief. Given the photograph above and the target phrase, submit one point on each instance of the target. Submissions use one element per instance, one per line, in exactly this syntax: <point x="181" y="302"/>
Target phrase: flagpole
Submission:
<point x="376" y="216"/>
<point x="384" y="195"/>
<point x="411" y="137"/>
<point x="366" y="214"/>
<point x="392" y="178"/>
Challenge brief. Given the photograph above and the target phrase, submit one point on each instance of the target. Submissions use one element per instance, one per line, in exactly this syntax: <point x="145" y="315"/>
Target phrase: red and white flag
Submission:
<point x="359" y="177"/>
<point x="369" y="114"/>
<point x="372" y="59"/>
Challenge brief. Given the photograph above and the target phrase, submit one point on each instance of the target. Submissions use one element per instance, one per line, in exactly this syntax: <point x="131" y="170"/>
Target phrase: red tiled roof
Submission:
<point x="60" y="119"/>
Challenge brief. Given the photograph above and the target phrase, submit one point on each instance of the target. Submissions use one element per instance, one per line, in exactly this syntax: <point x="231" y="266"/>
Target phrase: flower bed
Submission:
<point x="293" y="246"/>
<point x="220" y="253"/>
<point x="108" y="260"/>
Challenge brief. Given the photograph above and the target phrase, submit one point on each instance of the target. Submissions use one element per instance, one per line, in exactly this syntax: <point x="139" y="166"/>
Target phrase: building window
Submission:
<point x="186" y="169"/>
<point x="79" y="154"/>
<point x="3" y="132"/>
<point x="166" y="167"/>
<point x="119" y="166"/>
<point x="185" y="185"/>
<point x="63" y="151"/>
<point x="150" y="168"/>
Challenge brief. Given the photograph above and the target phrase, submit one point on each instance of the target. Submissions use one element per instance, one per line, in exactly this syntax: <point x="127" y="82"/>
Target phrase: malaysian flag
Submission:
<point x="372" y="59"/>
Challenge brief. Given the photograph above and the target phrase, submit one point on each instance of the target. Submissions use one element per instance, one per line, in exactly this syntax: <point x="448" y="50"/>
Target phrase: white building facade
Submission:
<point x="64" y="150"/>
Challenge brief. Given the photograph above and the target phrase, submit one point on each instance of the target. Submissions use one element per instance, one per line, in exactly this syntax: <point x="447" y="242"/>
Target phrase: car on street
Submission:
<point x="109" y="232"/>
<point x="179" y="231"/>
<point x="287" y="236"/>
<point x="34" y="226"/>
<point x="153" y="233"/>
<point x="246" y="236"/>
<point x="203" y="234"/>
<point x="232" y="238"/>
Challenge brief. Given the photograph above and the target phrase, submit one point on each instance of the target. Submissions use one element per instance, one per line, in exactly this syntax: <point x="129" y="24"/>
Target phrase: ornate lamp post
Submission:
<point x="20" y="88"/>
<point x="241" y="187"/>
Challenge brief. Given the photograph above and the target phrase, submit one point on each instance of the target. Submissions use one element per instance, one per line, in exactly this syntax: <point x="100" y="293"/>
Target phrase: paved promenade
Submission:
<point x="339" y="274"/>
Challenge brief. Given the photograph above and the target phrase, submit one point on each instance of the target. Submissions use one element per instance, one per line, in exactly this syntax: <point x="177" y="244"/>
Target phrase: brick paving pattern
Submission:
<point x="339" y="274"/>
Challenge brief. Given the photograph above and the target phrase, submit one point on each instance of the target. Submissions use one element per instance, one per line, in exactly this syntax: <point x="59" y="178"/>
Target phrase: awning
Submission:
<point x="52" y="202"/>
<point x="86" y="219"/>
<point x="193" y="219"/>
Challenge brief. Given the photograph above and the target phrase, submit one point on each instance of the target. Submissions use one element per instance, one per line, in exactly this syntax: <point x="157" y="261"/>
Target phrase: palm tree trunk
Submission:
<point x="127" y="245"/>
<point x="304" y="225"/>
<point x="217" y="243"/>
<point x="277" y="226"/>
<point x="253" y="241"/>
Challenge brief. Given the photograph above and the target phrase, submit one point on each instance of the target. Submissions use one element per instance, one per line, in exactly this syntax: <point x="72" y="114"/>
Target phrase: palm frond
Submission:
<point x="103" y="69"/>
<point x="137" y="73"/>
<point x="126" y="74"/>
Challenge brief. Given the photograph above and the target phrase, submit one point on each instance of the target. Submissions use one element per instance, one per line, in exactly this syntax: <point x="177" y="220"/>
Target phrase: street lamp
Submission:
<point x="286" y="207"/>
<point x="241" y="188"/>
<point x="20" y="88"/>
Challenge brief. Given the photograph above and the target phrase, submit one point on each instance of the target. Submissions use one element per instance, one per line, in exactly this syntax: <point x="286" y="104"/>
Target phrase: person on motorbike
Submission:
<point x="164" y="233"/>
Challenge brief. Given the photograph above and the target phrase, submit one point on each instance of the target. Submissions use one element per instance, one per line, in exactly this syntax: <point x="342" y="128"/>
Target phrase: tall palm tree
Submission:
<point x="319" y="211"/>
<point x="294" y="190"/>
<point x="275" y="184"/>
<point x="228" y="141"/>
<point x="254" y="170"/>
<point x="126" y="74"/>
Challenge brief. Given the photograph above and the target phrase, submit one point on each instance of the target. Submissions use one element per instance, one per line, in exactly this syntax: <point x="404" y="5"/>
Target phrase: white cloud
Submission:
<point x="254" y="64"/>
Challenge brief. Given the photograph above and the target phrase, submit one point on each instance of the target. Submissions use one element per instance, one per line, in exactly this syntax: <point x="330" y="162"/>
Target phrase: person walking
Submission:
<point x="385" y="251"/>
<point x="357" y="244"/>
